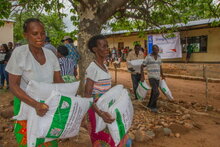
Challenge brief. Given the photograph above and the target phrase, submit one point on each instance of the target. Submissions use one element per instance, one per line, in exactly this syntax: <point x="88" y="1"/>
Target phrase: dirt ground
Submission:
<point x="188" y="94"/>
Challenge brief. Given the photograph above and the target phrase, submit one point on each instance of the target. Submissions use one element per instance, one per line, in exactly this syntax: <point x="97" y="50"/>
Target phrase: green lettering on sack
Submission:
<point x="120" y="124"/>
<point x="164" y="89"/>
<point x="17" y="105"/>
<point x="145" y="88"/>
<point x="111" y="103"/>
<point x="60" y="118"/>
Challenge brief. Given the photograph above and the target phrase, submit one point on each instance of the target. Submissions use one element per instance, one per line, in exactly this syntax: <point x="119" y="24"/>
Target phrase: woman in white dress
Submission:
<point x="31" y="62"/>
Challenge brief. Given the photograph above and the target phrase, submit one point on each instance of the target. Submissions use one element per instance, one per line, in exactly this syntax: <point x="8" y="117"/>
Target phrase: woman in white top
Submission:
<point x="31" y="62"/>
<point x="98" y="81"/>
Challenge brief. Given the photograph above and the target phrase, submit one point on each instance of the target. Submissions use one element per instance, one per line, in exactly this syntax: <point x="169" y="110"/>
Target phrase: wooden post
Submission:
<point x="115" y="65"/>
<point x="206" y="85"/>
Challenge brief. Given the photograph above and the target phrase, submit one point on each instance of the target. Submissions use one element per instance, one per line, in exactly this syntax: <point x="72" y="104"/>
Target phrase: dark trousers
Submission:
<point x="3" y="75"/>
<point x="135" y="80"/>
<point x="154" y="83"/>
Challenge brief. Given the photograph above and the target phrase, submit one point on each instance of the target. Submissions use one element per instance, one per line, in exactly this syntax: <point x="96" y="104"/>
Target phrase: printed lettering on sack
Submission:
<point x="127" y="119"/>
<point x="56" y="132"/>
<point x="65" y="105"/>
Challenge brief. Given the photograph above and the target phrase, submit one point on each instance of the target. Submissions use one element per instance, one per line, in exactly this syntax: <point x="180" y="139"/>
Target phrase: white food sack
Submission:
<point x="104" y="102"/>
<point x="135" y="64"/>
<point x="41" y="91"/>
<point x="123" y="112"/>
<point x="164" y="88"/>
<point x="142" y="89"/>
<point x="64" y="117"/>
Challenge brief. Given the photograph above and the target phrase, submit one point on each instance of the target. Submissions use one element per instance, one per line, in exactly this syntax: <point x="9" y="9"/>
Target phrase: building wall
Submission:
<point x="213" y="44"/>
<point x="6" y="33"/>
<point x="128" y="41"/>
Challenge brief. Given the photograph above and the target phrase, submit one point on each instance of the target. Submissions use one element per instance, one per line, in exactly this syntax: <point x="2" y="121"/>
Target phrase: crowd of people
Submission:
<point x="39" y="60"/>
<point x="5" y="53"/>
<point x="121" y="54"/>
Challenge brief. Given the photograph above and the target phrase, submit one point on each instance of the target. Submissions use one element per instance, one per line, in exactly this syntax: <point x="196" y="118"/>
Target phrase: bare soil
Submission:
<point x="188" y="94"/>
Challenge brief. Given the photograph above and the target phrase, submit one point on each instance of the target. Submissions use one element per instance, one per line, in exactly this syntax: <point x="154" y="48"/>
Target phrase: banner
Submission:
<point x="169" y="47"/>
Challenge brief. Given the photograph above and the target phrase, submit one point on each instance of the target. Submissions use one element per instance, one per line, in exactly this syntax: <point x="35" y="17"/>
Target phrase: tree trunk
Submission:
<point x="87" y="28"/>
<point x="93" y="15"/>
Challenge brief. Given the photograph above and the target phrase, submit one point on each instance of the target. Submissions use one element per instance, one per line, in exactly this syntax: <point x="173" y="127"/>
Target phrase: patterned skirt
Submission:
<point x="20" y="131"/>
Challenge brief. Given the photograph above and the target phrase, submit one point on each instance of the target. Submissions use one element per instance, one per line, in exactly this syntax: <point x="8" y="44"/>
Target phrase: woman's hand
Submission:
<point x="41" y="109"/>
<point x="106" y="117"/>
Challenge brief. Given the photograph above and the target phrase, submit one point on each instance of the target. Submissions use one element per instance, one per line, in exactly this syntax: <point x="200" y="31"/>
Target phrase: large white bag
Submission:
<point x="123" y="112"/>
<point x="104" y="102"/>
<point x="135" y="64"/>
<point x="41" y="91"/>
<point x="142" y="89"/>
<point x="64" y="117"/>
<point x="164" y="88"/>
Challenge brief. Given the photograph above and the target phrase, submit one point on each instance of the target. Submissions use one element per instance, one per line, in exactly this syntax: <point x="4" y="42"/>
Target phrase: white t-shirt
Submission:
<point x="23" y="63"/>
<point x="101" y="78"/>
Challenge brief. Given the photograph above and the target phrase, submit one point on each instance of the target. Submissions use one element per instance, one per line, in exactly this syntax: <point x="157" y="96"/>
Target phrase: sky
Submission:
<point x="66" y="19"/>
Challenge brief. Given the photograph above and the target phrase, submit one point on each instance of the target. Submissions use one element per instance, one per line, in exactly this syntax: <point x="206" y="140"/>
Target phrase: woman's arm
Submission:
<point x="57" y="77"/>
<point x="14" y="83"/>
<point x="88" y="93"/>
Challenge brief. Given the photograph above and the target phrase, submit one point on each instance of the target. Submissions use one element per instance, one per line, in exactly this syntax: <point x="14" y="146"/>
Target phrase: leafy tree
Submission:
<point x="54" y="29"/>
<point x="4" y="10"/>
<point x="92" y="15"/>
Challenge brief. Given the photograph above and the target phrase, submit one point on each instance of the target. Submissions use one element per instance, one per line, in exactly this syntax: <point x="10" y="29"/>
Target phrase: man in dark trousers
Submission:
<point x="154" y="69"/>
<point x="135" y="75"/>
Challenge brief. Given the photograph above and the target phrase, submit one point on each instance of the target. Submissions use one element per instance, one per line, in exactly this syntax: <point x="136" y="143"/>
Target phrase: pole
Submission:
<point x="115" y="65"/>
<point x="206" y="85"/>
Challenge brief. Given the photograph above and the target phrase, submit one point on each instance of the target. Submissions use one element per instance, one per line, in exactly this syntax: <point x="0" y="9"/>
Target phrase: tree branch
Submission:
<point x="109" y="8"/>
<point x="73" y="4"/>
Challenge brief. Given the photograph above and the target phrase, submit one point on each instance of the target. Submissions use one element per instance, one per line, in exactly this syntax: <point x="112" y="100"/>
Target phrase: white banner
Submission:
<point x="169" y="47"/>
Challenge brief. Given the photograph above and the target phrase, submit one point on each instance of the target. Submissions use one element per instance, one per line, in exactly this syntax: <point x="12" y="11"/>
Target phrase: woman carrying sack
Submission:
<point x="31" y="62"/>
<point x="98" y="81"/>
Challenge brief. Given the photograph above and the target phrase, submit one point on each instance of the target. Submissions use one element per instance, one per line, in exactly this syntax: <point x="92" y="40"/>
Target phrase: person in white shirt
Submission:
<point x="98" y="81"/>
<point x="135" y="75"/>
<point x="31" y="62"/>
